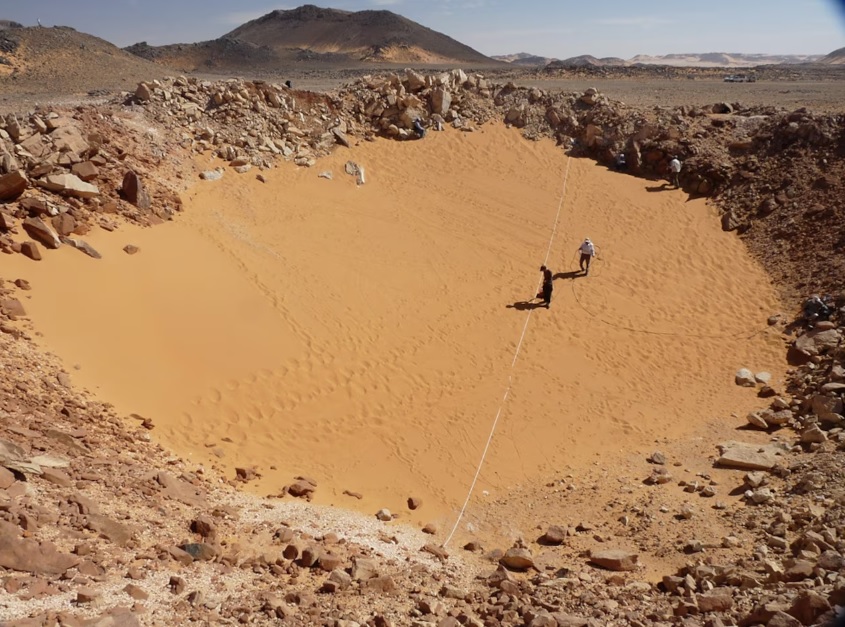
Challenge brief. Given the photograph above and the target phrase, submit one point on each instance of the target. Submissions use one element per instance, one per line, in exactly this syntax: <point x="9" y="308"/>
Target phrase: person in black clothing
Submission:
<point x="546" y="293"/>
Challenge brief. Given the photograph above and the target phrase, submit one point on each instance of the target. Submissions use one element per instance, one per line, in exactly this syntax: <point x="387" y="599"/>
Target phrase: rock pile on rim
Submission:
<point x="777" y="175"/>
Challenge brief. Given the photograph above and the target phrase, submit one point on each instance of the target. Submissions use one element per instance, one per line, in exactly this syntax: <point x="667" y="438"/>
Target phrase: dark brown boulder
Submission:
<point x="134" y="190"/>
<point x="31" y="250"/>
<point x="12" y="184"/>
<point x="39" y="558"/>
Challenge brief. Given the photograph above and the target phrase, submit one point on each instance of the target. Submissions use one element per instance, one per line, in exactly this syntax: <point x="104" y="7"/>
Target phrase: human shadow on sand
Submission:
<point x="526" y="305"/>
<point x="661" y="188"/>
<point x="572" y="274"/>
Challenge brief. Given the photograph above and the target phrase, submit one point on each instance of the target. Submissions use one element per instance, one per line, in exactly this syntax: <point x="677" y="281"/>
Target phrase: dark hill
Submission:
<point x="362" y="35"/>
<point x="837" y="57"/>
<point x="61" y="60"/>
<point x="313" y="36"/>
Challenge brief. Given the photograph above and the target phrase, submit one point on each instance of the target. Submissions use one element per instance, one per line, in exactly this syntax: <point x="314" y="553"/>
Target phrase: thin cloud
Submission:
<point x="236" y="18"/>
<point x="385" y="3"/>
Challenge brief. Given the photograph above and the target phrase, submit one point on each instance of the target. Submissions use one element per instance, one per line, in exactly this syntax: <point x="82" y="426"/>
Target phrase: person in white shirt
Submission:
<point x="675" y="170"/>
<point x="588" y="251"/>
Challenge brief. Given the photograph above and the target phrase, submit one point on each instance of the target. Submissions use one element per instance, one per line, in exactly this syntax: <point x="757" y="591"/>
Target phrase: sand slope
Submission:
<point x="363" y="335"/>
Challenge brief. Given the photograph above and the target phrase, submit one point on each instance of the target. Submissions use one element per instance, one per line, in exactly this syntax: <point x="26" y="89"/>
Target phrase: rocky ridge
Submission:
<point x="96" y="517"/>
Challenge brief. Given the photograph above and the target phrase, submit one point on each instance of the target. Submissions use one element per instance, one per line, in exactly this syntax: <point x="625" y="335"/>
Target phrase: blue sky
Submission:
<point x="555" y="28"/>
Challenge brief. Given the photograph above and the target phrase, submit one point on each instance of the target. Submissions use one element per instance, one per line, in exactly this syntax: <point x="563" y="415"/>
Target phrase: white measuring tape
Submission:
<point x="513" y="363"/>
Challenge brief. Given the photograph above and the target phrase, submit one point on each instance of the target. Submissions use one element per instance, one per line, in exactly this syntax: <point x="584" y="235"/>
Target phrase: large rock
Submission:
<point x="615" y="559"/>
<point x="517" y="559"/>
<point x="69" y="184"/>
<point x="590" y="97"/>
<point x="828" y="408"/>
<point x="134" y="190"/>
<point x="13" y="185"/>
<point x="554" y="536"/>
<point x="415" y="81"/>
<point x="69" y="139"/>
<point x="41" y="233"/>
<point x="748" y="456"/>
<point x="143" y="92"/>
<point x="441" y="100"/>
<point x="38" y="558"/>
<point x="718" y="600"/>
<point x="812" y="343"/>
<point x="86" y="171"/>
<point x="64" y="224"/>
<point x="31" y="250"/>
<point x="363" y="569"/>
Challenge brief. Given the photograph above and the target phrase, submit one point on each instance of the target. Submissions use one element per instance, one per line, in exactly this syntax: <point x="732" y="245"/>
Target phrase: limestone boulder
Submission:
<point x="441" y="100"/>
<point x="41" y="233"/>
<point x="615" y="559"/>
<point x="743" y="456"/>
<point x="745" y="378"/>
<point x="69" y="139"/>
<point x="517" y="559"/>
<point x="69" y="184"/>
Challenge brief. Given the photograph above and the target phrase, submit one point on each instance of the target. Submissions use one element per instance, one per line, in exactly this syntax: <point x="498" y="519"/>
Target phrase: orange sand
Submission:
<point x="362" y="335"/>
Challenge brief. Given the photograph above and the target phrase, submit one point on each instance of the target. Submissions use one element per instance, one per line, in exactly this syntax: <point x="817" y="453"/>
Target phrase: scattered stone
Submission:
<point x="212" y="175"/>
<point x="813" y="434"/>
<point x="200" y="551"/>
<point x="131" y="249"/>
<point x="384" y="515"/>
<point x="302" y="488"/>
<point x="745" y="378"/>
<point x="657" y="458"/>
<point x="86" y="171"/>
<point x="414" y="503"/>
<point x="615" y="559"/>
<point x="86" y="595"/>
<point x="747" y="456"/>
<point x="136" y="592"/>
<point x="363" y="569"/>
<point x="756" y="420"/>
<point x="517" y="559"/>
<point x="554" y="536"/>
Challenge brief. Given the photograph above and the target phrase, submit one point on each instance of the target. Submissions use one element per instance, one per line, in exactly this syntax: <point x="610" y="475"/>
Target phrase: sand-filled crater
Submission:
<point x="363" y="335"/>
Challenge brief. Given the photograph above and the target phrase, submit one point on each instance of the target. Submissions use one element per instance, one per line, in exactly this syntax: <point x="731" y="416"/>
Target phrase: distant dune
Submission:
<point x="706" y="59"/>
<point x="524" y="58"/>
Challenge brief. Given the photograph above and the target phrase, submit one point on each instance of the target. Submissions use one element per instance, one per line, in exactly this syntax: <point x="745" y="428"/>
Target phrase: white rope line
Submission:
<point x="510" y="373"/>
